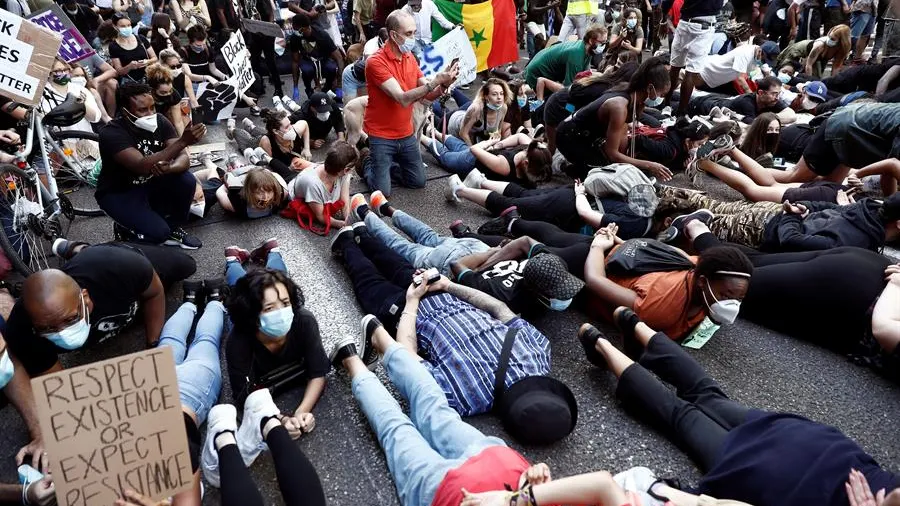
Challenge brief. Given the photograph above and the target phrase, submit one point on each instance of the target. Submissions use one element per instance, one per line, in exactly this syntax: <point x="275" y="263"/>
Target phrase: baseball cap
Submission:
<point x="320" y="102"/>
<point x="548" y="275"/>
<point x="771" y="51"/>
<point x="816" y="90"/>
<point x="538" y="410"/>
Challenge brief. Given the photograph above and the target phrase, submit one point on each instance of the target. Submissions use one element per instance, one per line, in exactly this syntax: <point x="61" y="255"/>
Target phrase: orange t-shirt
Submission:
<point x="385" y="117"/>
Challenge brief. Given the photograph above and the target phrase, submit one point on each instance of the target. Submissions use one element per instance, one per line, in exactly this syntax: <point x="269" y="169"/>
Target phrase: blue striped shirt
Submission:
<point x="461" y="345"/>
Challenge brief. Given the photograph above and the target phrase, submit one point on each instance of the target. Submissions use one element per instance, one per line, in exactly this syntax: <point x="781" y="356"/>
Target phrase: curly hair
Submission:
<point x="723" y="261"/>
<point x="245" y="299"/>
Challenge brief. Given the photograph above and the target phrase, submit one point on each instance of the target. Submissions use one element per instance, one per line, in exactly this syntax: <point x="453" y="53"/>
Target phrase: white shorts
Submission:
<point x="536" y="29"/>
<point x="690" y="45"/>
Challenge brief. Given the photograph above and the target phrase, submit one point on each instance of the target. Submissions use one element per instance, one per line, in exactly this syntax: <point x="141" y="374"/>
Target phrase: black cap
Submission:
<point x="321" y="102"/>
<point x="538" y="410"/>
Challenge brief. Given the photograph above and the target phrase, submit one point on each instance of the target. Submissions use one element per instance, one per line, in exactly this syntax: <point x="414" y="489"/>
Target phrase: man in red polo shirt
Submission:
<point x="395" y="83"/>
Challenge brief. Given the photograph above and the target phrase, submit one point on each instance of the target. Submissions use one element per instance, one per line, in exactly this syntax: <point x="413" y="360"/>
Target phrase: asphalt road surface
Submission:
<point x="760" y="368"/>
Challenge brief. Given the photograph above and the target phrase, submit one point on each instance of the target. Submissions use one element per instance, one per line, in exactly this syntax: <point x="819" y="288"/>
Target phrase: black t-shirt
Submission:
<point x="127" y="56"/>
<point x="248" y="360"/>
<point x="119" y="135"/>
<point x="114" y="276"/>
<point x="535" y="16"/>
<point x="504" y="282"/>
<point x="317" y="44"/>
<point x="84" y="18"/>
<point x="746" y="105"/>
<point x="320" y="129"/>
<point x="198" y="62"/>
<point x="230" y="16"/>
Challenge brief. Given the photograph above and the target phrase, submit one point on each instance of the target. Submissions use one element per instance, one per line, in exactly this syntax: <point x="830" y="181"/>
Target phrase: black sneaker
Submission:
<point x="215" y="289"/>
<point x="193" y="292"/>
<point x="500" y="224"/>
<point x="179" y="237"/>
<point x="587" y="336"/>
<point x="459" y="229"/>
<point x="343" y="349"/>
<point x="344" y="232"/>
<point x="676" y="230"/>
<point x="123" y="234"/>
<point x="538" y="132"/>
<point x="369" y="325"/>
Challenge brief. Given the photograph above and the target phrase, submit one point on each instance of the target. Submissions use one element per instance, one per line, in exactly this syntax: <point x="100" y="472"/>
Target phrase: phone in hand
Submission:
<point x="428" y="277"/>
<point x="454" y="62"/>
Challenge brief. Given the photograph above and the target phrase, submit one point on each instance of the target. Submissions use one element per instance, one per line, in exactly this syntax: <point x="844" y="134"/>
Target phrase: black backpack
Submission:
<point x="643" y="256"/>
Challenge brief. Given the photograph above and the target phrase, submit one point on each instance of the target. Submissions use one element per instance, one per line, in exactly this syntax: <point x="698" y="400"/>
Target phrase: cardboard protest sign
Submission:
<point x="26" y="57"/>
<point x="74" y="47"/>
<point x="238" y="59"/>
<point x="115" y="425"/>
<point x="438" y="56"/>
<point x="262" y="27"/>
<point x="217" y="101"/>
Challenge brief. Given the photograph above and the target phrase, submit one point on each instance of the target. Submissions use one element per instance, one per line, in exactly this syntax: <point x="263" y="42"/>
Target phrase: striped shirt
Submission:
<point x="461" y="345"/>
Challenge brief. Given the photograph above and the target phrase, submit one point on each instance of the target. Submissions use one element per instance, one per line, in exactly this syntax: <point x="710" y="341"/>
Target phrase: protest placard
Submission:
<point x="238" y="59"/>
<point x="261" y="27"/>
<point x="438" y="55"/>
<point x="74" y="47"/>
<point x="112" y="426"/>
<point x="217" y="101"/>
<point x="26" y="57"/>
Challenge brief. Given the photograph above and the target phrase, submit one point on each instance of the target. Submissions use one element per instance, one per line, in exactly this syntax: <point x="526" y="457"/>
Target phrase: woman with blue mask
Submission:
<point x="596" y="134"/>
<point x="275" y="341"/>
<point x="483" y="119"/>
<point x="814" y="54"/>
<point x="129" y="52"/>
<point x="519" y="113"/>
<point x="627" y="37"/>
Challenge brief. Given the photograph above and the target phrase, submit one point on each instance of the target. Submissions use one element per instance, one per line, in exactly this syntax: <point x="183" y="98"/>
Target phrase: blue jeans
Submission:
<point x="390" y="157"/>
<point x="861" y="24"/>
<point x="198" y="368"/>
<point x="235" y="271"/>
<point x="455" y="155"/>
<point x="421" y="448"/>
<point x="427" y="249"/>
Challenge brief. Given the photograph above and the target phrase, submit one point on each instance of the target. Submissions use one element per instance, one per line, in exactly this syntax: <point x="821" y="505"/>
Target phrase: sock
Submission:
<point x="362" y="210"/>
<point x="276" y="249"/>
<point x="215" y="446"/>
<point x="386" y="209"/>
<point x="509" y="227"/>
<point x="264" y="421"/>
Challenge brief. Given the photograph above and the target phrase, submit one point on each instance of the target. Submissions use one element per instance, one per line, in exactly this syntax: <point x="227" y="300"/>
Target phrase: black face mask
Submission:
<point x="167" y="101"/>
<point x="772" y="141"/>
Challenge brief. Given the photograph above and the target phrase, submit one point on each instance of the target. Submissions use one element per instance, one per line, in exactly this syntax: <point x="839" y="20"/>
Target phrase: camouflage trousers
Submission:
<point x="737" y="222"/>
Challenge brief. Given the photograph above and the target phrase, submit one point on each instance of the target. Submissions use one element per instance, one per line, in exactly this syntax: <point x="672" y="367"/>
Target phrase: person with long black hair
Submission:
<point x="596" y="135"/>
<point x="675" y="148"/>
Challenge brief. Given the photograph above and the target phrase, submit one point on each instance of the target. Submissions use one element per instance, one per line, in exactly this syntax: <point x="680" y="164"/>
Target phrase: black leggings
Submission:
<point x="697" y="416"/>
<point x="803" y="294"/>
<point x="571" y="247"/>
<point x="553" y="205"/>
<point x="297" y="478"/>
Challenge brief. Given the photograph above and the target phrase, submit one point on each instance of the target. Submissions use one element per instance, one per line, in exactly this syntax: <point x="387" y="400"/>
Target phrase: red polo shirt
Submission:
<point x="385" y="117"/>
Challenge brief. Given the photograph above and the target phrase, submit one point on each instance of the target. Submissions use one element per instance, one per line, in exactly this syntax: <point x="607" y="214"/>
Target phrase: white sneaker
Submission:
<point x="474" y="179"/>
<point x="263" y="157"/>
<point x="290" y="104"/>
<point x="247" y="123"/>
<point x="222" y="418"/>
<point x="453" y="185"/>
<point x="258" y="405"/>
<point x="250" y="154"/>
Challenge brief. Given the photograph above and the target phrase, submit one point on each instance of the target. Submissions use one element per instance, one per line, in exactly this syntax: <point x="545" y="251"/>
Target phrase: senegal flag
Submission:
<point x="490" y="25"/>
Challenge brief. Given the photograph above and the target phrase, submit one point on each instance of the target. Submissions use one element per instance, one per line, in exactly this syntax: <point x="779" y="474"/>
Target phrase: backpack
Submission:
<point x="626" y="182"/>
<point x="635" y="257"/>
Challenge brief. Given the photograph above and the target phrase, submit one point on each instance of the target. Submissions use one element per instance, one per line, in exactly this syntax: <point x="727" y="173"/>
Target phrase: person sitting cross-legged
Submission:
<point x="462" y="331"/>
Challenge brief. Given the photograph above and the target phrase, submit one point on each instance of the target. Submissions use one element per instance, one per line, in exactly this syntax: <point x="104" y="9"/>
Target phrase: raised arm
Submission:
<point x="595" y="272"/>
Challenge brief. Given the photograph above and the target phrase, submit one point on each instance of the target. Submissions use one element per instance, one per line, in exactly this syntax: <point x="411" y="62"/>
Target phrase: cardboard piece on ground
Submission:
<point x="206" y="148"/>
<point x="115" y="425"/>
<point x="74" y="47"/>
<point x="438" y="56"/>
<point x="26" y="57"/>
<point x="263" y="27"/>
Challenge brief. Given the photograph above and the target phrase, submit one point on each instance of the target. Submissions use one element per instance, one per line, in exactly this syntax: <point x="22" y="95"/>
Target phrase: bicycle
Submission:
<point x="30" y="210"/>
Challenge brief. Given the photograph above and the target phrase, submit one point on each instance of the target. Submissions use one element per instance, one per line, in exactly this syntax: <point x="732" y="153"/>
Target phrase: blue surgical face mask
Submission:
<point x="784" y="78"/>
<point x="277" y="323"/>
<point x="559" y="305"/>
<point x="830" y="42"/>
<point x="126" y="32"/>
<point x="599" y="48"/>
<point x="6" y="369"/>
<point x="653" y="102"/>
<point x="631" y="23"/>
<point x="75" y="335"/>
<point x="522" y="102"/>
<point x="493" y="107"/>
<point x="408" y="45"/>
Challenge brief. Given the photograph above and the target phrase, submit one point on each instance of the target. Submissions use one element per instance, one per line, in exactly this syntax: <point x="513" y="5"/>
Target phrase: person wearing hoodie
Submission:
<point x="807" y="226"/>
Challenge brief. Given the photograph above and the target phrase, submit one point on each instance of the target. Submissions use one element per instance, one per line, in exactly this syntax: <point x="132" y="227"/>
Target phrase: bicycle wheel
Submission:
<point x="26" y="235"/>
<point x="74" y="160"/>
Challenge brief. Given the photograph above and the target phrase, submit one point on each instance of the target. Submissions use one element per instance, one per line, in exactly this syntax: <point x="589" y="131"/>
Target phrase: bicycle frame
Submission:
<point x="36" y="128"/>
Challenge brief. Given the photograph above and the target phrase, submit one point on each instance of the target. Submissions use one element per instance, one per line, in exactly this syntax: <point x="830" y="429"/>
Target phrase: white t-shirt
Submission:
<point x="371" y="46"/>
<point x="717" y="70"/>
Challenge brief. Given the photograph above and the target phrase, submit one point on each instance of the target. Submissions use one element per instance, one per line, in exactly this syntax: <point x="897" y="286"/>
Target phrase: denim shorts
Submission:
<point x="861" y="24"/>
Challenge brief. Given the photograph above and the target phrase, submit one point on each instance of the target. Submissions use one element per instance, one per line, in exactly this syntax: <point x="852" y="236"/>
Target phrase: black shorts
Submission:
<point x="557" y="108"/>
<point x="817" y="191"/>
<point x="819" y="154"/>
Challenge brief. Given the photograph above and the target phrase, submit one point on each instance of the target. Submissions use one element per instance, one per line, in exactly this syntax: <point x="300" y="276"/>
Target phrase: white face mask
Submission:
<point x="147" y="123"/>
<point x="73" y="336"/>
<point x="808" y="104"/>
<point x="290" y="135"/>
<point x="323" y="116"/>
<point x="722" y="312"/>
<point x="198" y="208"/>
<point x="80" y="81"/>
<point x="6" y="369"/>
